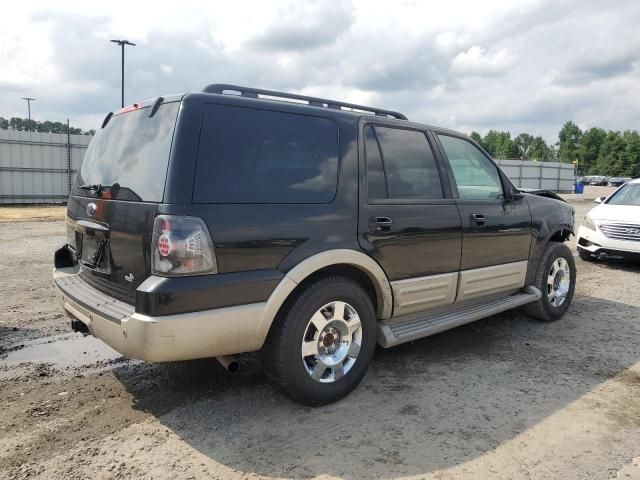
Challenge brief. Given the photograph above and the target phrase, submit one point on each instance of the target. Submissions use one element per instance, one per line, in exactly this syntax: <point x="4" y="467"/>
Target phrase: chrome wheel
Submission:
<point x="558" y="282"/>
<point x="331" y="342"/>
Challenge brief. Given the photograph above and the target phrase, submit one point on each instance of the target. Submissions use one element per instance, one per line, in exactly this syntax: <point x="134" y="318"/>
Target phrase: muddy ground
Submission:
<point x="506" y="397"/>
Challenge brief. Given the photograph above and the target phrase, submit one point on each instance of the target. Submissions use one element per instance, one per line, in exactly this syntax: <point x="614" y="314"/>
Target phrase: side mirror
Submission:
<point x="599" y="199"/>
<point x="516" y="195"/>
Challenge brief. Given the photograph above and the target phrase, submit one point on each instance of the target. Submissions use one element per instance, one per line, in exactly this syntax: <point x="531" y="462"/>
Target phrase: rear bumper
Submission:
<point x="596" y="242"/>
<point x="209" y="333"/>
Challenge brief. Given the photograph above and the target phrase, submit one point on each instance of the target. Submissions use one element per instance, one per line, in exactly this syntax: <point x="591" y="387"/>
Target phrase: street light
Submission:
<point x="122" y="43"/>
<point x="29" y="100"/>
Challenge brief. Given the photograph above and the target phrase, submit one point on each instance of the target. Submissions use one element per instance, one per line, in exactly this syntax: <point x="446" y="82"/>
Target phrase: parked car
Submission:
<point x="613" y="227"/>
<point x="617" y="181"/>
<point x="598" y="180"/>
<point x="237" y="219"/>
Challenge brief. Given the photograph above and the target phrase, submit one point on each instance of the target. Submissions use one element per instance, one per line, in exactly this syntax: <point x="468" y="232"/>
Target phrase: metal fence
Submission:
<point x="38" y="167"/>
<point x="554" y="176"/>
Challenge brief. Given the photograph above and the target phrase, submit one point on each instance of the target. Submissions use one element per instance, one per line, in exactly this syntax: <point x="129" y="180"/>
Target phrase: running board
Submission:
<point x="391" y="334"/>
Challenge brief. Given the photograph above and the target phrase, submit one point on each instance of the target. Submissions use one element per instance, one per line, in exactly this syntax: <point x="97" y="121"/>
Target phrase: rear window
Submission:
<point x="249" y="155"/>
<point x="129" y="156"/>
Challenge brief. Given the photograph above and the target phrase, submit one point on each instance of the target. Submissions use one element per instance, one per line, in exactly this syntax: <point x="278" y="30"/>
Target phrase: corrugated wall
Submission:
<point x="37" y="167"/>
<point x="555" y="176"/>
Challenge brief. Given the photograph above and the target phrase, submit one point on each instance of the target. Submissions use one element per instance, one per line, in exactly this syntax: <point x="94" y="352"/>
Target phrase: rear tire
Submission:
<point x="322" y="343"/>
<point x="556" y="279"/>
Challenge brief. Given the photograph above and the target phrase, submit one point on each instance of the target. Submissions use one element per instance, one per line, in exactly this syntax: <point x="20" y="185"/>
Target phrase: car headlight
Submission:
<point x="587" y="222"/>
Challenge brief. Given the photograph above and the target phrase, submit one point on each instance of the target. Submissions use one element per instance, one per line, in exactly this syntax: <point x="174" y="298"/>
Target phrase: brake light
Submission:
<point x="181" y="246"/>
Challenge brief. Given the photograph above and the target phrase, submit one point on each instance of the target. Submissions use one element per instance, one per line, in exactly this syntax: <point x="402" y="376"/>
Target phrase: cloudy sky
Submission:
<point x="468" y="65"/>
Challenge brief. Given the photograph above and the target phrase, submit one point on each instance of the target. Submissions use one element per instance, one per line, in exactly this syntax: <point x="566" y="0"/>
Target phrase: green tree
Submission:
<point x="610" y="156"/>
<point x="569" y="142"/>
<point x="500" y="145"/>
<point x="631" y="154"/>
<point x="476" y="137"/>
<point x="22" y="124"/>
<point x="589" y="148"/>
<point x="523" y="143"/>
<point x="540" y="151"/>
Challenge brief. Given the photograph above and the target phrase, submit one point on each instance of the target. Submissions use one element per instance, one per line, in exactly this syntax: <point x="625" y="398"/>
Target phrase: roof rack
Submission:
<point x="222" y="88"/>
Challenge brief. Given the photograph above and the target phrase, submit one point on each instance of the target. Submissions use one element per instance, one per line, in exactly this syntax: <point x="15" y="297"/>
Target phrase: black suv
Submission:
<point x="236" y="219"/>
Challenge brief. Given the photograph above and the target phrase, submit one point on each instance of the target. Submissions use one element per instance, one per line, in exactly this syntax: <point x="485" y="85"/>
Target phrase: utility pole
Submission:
<point x="29" y="100"/>
<point x="122" y="43"/>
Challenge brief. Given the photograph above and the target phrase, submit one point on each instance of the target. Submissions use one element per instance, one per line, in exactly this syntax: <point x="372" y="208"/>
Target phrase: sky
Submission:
<point x="520" y="66"/>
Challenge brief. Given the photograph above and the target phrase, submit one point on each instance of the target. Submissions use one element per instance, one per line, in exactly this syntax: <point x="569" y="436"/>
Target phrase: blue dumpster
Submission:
<point x="579" y="187"/>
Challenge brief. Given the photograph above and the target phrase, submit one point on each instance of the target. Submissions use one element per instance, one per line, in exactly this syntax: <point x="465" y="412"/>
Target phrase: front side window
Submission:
<point x="400" y="164"/>
<point x="249" y="155"/>
<point x="475" y="176"/>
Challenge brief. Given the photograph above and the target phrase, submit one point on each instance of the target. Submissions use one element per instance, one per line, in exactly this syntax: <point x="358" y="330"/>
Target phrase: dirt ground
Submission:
<point x="504" y="398"/>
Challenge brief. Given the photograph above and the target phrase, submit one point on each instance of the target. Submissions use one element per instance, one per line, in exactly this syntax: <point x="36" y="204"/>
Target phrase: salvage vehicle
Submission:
<point x="237" y="219"/>
<point x="613" y="227"/>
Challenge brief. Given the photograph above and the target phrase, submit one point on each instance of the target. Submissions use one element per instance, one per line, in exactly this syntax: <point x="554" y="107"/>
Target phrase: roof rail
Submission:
<point x="249" y="92"/>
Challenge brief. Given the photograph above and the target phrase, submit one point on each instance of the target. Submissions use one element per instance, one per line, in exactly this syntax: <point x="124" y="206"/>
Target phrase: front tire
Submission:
<point x="556" y="279"/>
<point x="322" y="344"/>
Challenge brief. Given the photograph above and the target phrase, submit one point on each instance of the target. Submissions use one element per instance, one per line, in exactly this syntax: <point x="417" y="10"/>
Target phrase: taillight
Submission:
<point x="181" y="246"/>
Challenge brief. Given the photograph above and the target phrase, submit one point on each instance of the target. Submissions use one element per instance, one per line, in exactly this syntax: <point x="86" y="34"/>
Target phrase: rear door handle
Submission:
<point x="477" y="219"/>
<point x="380" y="224"/>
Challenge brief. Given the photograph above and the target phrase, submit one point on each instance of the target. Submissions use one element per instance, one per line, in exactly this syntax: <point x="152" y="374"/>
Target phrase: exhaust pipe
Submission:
<point x="229" y="363"/>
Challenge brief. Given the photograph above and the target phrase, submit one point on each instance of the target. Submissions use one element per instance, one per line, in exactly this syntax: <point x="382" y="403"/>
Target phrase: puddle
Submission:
<point x="69" y="351"/>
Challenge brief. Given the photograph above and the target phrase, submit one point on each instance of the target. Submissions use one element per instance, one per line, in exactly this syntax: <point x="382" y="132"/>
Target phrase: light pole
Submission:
<point x="29" y="100"/>
<point x="122" y="43"/>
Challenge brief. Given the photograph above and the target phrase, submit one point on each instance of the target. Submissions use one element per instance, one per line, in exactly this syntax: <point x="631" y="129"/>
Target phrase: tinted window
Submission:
<point x="129" y="156"/>
<point x="376" y="184"/>
<point x="475" y="176"/>
<point x="258" y="156"/>
<point x="407" y="163"/>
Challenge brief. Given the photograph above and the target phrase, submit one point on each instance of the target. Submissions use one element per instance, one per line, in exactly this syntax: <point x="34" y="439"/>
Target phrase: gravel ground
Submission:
<point x="506" y="397"/>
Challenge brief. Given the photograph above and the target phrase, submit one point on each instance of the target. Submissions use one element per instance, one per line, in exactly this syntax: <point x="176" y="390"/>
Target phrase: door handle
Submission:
<point x="477" y="219"/>
<point x="380" y="224"/>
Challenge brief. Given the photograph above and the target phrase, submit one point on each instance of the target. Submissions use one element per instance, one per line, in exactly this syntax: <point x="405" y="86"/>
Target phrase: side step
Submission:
<point x="391" y="334"/>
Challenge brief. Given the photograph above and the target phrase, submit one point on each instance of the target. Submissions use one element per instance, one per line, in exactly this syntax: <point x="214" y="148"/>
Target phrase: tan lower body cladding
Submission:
<point x="424" y="293"/>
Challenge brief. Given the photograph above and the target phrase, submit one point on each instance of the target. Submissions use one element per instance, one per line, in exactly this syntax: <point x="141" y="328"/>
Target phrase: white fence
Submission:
<point x="38" y="167"/>
<point x="554" y="176"/>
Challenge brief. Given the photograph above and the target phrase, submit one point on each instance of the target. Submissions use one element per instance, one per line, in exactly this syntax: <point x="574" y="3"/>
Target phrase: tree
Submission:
<point x="476" y="137"/>
<point x="22" y="125"/>
<point x="540" y="151"/>
<point x="610" y="156"/>
<point x="568" y="142"/>
<point x="523" y="143"/>
<point x="500" y="145"/>
<point x="589" y="148"/>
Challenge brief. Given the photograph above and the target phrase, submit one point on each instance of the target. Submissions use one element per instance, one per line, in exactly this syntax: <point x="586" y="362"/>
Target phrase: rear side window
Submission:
<point x="400" y="165"/>
<point x="249" y="155"/>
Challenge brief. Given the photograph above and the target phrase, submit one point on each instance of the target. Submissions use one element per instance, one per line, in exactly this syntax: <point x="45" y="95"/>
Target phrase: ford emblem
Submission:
<point x="91" y="209"/>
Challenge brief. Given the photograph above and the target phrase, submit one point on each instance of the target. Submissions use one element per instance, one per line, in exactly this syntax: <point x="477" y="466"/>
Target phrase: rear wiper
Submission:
<point x="91" y="186"/>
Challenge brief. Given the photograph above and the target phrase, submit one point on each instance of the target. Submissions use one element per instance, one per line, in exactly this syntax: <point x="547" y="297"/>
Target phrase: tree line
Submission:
<point x="594" y="151"/>
<point x="25" y="125"/>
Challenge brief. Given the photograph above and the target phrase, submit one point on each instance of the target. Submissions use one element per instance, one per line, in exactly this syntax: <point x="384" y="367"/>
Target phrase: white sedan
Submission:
<point x="613" y="227"/>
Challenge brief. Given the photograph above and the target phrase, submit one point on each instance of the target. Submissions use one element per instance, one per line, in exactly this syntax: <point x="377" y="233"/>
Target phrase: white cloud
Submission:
<point x="527" y="65"/>
<point x="476" y="61"/>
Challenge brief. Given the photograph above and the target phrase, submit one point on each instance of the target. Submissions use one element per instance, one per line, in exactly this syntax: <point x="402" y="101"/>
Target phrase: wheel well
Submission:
<point x="561" y="235"/>
<point x="344" y="270"/>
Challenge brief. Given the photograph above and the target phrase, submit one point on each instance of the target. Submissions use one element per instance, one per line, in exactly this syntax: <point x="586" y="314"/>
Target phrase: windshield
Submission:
<point x="128" y="158"/>
<point x="629" y="194"/>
